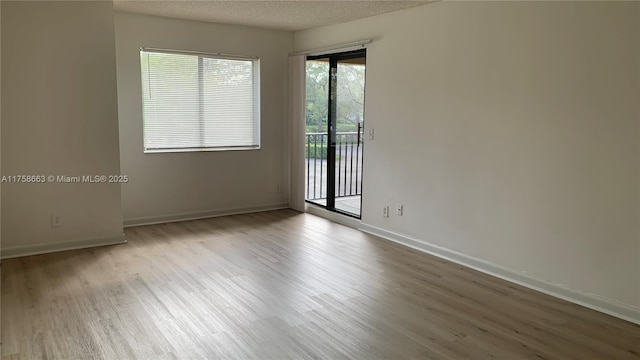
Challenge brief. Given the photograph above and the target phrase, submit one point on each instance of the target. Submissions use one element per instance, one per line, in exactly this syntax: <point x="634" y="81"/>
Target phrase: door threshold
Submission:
<point x="341" y="219"/>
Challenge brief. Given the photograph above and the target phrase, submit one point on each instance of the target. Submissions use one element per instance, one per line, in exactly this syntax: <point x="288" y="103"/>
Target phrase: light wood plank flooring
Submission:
<point x="279" y="285"/>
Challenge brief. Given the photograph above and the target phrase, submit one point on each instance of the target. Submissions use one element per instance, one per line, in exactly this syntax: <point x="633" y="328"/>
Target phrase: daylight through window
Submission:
<point x="194" y="102"/>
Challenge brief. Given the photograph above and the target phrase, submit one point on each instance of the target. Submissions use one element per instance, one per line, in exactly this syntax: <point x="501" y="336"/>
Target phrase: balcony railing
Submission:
<point x="348" y="164"/>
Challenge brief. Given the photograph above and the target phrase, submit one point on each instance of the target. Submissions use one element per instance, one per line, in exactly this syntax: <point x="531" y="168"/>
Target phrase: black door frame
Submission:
<point x="332" y="128"/>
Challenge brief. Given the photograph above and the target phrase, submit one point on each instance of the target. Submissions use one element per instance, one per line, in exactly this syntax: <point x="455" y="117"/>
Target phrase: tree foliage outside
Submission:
<point x="350" y="96"/>
<point x="317" y="96"/>
<point x="350" y="105"/>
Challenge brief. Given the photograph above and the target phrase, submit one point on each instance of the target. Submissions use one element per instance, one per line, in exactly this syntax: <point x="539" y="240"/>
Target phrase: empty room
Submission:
<point x="320" y="179"/>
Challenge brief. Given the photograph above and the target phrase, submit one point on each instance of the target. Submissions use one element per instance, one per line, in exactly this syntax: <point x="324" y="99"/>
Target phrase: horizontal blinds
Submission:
<point x="196" y="102"/>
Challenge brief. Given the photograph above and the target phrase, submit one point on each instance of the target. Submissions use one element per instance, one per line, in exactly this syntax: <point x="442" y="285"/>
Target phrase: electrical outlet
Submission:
<point x="370" y="134"/>
<point x="278" y="189"/>
<point x="56" y="220"/>
<point x="399" y="209"/>
<point x="385" y="211"/>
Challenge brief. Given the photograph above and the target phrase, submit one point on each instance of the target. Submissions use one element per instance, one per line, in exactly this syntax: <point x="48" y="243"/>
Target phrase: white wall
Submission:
<point x="510" y="132"/>
<point x="0" y="162"/>
<point x="177" y="185"/>
<point x="59" y="116"/>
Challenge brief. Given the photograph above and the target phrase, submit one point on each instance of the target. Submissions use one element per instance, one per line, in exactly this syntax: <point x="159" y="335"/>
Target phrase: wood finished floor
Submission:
<point x="279" y="285"/>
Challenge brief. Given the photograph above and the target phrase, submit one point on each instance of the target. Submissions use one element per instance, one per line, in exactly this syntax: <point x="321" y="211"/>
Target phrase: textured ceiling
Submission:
<point x="281" y="15"/>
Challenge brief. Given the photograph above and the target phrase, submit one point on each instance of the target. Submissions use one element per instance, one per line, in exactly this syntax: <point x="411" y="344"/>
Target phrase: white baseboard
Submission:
<point x="44" y="248"/>
<point x="161" y="219"/>
<point x="592" y="301"/>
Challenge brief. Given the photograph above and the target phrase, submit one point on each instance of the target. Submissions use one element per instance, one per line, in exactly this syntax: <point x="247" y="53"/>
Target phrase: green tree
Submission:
<point x="317" y="95"/>
<point x="350" y="95"/>
<point x="350" y="104"/>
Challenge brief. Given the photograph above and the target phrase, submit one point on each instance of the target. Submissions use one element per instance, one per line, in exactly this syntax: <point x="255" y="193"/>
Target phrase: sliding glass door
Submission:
<point x="334" y="127"/>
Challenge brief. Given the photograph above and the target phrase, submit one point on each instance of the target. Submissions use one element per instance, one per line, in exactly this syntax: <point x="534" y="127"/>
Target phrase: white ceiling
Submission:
<point x="280" y="15"/>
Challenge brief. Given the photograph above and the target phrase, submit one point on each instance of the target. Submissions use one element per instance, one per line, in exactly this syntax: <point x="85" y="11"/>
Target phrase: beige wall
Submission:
<point x="509" y="131"/>
<point x="176" y="185"/>
<point x="638" y="117"/>
<point x="0" y="125"/>
<point x="59" y="116"/>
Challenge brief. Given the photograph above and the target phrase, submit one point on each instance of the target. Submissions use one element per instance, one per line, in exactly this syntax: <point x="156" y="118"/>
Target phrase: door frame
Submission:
<point x="334" y="58"/>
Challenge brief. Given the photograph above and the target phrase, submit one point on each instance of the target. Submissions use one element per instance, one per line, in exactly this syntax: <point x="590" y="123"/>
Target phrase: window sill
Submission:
<point x="186" y="150"/>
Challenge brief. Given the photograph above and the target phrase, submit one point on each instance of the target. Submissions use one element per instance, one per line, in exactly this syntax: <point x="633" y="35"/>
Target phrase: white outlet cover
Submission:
<point x="56" y="221"/>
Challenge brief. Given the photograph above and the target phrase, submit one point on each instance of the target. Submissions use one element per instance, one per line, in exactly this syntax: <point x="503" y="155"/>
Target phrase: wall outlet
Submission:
<point x="56" y="220"/>
<point x="370" y="134"/>
<point x="399" y="209"/>
<point x="385" y="211"/>
<point x="278" y="188"/>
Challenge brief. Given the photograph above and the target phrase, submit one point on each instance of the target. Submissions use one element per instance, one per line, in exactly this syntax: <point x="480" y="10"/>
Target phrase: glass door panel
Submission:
<point x="334" y="128"/>
<point x="349" y="121"/>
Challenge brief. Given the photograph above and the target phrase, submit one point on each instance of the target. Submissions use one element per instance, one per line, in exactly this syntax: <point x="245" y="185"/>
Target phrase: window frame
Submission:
<point x="256" y="104"/>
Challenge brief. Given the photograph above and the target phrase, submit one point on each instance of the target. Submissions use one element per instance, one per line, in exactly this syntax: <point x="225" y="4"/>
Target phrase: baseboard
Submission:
<point x="45" y="248"/>
<point x="151" y="220"/>
<point x="592" y="301"/>
<point x="332" y="216"/>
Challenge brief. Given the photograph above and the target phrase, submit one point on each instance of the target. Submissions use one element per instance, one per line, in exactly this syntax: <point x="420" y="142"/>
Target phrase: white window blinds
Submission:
<point x="195" y="102"/>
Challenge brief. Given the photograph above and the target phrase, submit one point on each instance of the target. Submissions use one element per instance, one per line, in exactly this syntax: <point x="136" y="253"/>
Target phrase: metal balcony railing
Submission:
<point x="348" y="164"/>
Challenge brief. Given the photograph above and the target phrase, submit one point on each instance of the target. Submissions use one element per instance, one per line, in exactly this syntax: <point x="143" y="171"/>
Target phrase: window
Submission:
<point x="197" y="102"/>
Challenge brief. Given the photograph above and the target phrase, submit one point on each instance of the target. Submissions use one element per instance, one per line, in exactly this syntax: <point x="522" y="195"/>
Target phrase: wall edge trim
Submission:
<point x="46" y="248"/>
<point x="592" y="301"/>
<point x="196" y="215"/>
